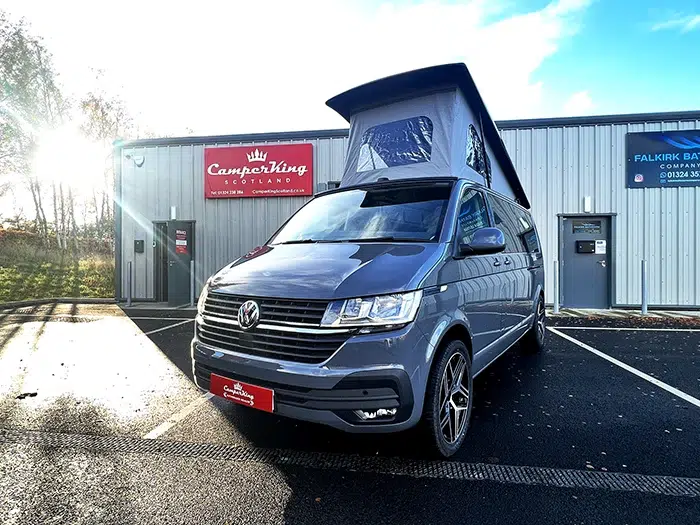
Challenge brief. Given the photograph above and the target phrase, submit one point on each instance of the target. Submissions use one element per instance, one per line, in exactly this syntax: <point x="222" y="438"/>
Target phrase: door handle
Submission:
<point x="496" y="262"/>
<point x="507" y="260"/>
<point x="170" y="263"/>
<point x="602" y="263"/>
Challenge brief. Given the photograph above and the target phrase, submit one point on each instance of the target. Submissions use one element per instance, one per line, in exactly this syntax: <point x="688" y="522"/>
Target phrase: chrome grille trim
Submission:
<point x="279" y="327"/>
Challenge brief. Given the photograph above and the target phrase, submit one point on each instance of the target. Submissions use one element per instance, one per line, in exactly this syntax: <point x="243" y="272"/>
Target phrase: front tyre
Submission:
<point x="449" y="399"/>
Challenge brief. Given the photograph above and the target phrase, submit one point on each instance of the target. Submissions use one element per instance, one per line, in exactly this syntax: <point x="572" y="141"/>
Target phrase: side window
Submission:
<point x="475" y="151"/>
<point x="505" y="219"/>
<point x="527" y="233"/>
<point x="472" y="215"/>
<point x="398" y="143"/>
<point x="477" y="158"/>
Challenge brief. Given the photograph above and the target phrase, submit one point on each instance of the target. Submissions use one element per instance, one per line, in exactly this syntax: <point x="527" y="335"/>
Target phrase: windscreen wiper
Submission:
<point x="388" y="238"/>
<point x="308" y="241"/>
<point x="300" y="241"/>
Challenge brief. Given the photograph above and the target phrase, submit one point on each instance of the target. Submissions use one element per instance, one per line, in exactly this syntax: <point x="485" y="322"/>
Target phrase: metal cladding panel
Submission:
<point x="559" y="166"/>
<point x="225" y="229"/>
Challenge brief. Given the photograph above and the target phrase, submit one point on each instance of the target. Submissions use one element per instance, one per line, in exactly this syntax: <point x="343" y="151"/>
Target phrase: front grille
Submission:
<point x="275" y="344"/>
<point x="271" y="310"/>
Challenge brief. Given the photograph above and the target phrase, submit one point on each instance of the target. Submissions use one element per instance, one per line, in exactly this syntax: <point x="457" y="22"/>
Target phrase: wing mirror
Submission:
<point x="484" y="242"/>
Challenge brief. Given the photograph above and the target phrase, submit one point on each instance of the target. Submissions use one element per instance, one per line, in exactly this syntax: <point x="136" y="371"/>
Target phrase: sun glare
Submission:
<point x="66" y="156"/>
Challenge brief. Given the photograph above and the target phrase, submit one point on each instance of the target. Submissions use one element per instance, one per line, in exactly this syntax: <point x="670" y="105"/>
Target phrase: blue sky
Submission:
<point x="236" y="66"/>
<point x="631" y="56"/>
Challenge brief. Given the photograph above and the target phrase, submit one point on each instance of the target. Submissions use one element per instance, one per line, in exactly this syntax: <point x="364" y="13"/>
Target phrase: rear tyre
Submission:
<point x="449" y="397"/>
<point x="533" y="341"/>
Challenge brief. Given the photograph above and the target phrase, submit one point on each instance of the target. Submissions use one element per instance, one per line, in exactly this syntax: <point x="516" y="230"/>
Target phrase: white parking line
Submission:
<point x="652" y="380"/>
<point x="629" y="329"/>
<point x="176" y="418"/>
<point x="168" y="327"/>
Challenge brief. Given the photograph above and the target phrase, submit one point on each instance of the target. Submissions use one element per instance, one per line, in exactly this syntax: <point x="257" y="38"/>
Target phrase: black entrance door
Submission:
<point x="585" y="266"/>
<point x="180" y="247"/>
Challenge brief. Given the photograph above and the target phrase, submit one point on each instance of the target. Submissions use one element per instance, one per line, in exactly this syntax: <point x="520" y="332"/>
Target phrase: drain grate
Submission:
<point x="42" y="318"/>
<point x="520" y="475"/>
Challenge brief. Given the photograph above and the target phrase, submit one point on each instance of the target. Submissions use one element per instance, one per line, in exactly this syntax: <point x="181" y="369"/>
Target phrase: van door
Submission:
<point x="517" y="306"/>
<point x="481" y="289"/>
<point x="531" y="254"/>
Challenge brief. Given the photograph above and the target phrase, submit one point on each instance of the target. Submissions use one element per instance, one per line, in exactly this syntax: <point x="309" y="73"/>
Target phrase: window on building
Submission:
<point x="472" y="215"/>
<point x="398" y="143"/>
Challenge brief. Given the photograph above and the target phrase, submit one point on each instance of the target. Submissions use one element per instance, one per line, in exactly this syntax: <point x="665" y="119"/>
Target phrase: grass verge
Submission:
<point x="56" y="277"/>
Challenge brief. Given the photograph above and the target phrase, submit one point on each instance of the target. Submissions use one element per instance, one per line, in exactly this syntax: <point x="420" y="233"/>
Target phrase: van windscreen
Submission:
<point x="409" y="213"/>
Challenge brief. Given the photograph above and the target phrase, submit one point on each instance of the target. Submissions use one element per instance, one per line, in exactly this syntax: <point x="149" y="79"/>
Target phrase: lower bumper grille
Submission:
<point x="299" y="347"/>
<point x="348" y="395"/>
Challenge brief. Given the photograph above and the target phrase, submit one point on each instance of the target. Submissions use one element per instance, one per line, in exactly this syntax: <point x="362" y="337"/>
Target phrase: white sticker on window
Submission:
<point x="601" y="247"/>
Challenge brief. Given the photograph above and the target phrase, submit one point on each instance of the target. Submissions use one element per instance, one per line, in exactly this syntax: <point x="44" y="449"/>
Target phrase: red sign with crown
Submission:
<point x="280" y="170"/>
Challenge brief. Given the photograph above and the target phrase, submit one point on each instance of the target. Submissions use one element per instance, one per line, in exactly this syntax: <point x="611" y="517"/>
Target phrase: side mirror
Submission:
<point x="484" y="242"/>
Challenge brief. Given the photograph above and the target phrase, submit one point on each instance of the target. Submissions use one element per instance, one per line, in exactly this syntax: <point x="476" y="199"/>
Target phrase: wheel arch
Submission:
<point x="458" y="331"/>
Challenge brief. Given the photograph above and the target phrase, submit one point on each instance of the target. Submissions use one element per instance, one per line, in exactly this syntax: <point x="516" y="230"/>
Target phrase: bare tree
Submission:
<point x="106" y="119"/>
<point x="29" y="101"/>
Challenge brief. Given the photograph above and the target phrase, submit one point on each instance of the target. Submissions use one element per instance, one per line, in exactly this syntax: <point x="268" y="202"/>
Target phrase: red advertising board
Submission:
<point x="280" y="170"/>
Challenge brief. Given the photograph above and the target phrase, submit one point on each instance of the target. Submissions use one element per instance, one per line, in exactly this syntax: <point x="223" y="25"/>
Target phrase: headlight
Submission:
<point x="383" y="310"/>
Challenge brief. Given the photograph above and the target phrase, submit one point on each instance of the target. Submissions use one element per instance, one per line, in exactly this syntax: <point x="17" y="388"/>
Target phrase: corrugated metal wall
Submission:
<point x="559" y="166"/>
<point x="173" y="175"/>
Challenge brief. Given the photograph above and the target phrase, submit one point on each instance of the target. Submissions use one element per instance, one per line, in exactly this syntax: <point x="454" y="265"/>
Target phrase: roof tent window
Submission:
<point x="398" y="143"/>
<point x="477" y="158"/>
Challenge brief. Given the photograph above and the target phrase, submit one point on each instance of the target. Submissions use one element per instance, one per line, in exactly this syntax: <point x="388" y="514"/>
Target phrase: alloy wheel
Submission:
<point x="540" y="320"/>
<point x="454" y="399"/>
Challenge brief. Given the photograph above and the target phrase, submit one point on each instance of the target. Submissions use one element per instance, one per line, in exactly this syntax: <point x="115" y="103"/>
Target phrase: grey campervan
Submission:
<point x="376" y="304"/>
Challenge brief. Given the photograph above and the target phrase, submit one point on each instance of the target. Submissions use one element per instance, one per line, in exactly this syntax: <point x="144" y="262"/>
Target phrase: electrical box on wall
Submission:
<point x="585" y="246"/>
<point x="138" y="246"/>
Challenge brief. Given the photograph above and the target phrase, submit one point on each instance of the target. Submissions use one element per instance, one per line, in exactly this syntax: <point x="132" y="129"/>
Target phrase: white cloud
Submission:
<point x="239" y="66"/>
<point x="685" y="23"/>
<point x="579" y="104"/>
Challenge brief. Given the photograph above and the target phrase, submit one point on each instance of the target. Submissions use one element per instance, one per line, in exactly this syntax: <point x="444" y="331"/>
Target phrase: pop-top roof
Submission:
<point x="417" y="83"/>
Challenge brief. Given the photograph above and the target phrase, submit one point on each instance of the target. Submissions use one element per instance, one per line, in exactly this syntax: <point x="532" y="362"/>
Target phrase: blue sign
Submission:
<point x="663" y="159"/>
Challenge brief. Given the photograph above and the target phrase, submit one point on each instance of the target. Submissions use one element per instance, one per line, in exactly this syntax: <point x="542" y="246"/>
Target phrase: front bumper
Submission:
<point x="367" y="372"/>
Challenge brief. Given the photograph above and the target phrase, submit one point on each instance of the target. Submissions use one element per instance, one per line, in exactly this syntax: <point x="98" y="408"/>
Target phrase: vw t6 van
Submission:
<point x="374" y="306"/>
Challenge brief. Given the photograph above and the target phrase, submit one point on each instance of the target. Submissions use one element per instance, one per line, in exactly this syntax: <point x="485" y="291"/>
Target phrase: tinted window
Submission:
<point x="477" y="158"/>
<point x="472" y="215"/>
<point x="413" y="213"/>
<point x="504" y="217"/>
<point x="398" y="143"/>
<point x="527" y="234"/>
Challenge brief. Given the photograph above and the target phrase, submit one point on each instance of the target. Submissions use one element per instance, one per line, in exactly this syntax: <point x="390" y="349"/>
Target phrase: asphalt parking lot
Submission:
<point x="101" y="423"/>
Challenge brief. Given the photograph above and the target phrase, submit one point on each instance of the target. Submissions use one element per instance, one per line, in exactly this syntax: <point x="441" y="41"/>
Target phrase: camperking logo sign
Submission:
<point x="280" y="170"/>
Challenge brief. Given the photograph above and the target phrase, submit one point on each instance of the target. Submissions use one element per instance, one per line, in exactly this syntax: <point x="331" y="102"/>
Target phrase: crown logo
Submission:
<point x="257" y="156"/>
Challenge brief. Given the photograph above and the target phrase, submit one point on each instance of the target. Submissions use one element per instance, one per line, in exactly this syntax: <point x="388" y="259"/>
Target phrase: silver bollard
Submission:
<point x="128" y="283"/>
<point x="556" y="287"/>
<point x="645" y="300"/>
<point x="192" y="283"/>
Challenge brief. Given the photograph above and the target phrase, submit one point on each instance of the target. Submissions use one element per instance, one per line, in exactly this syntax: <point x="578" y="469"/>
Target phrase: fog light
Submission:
<point x="375" y="414"/>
